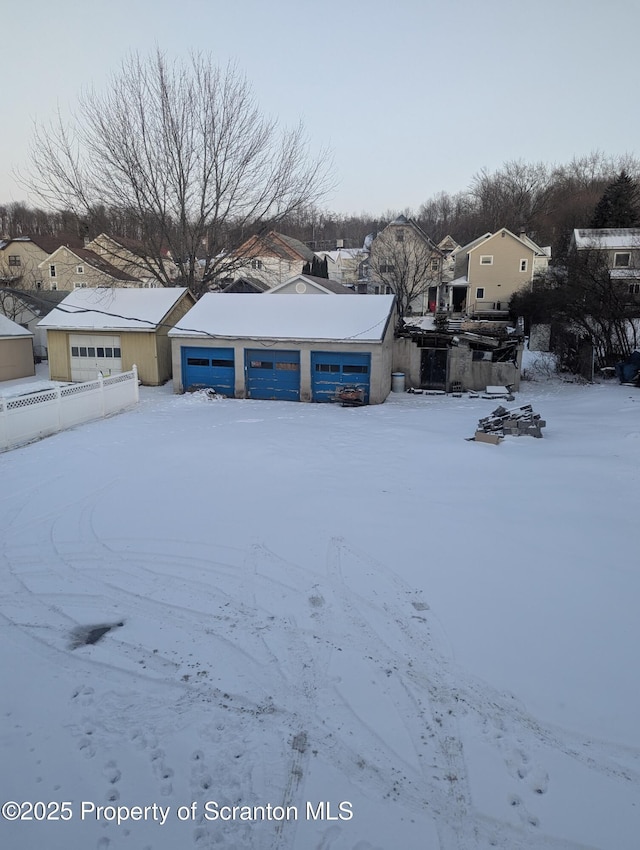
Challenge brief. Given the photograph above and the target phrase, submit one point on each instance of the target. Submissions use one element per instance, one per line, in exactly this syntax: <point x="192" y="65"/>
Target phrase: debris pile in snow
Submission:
<point x="516" y="422"/>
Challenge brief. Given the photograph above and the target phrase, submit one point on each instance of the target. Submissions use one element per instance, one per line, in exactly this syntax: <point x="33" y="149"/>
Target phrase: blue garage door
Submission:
<point x="273" y="374"/>
<point x="331" y="370"/>
<point x="208" y="367"/>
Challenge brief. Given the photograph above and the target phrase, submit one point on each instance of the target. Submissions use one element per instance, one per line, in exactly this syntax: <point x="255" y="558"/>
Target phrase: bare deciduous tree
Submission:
<point x="185" y="151"/>
<point x="405" y="261"/>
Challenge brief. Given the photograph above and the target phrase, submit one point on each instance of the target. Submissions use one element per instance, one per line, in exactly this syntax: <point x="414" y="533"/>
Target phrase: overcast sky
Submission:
<point x="412" y="96"/>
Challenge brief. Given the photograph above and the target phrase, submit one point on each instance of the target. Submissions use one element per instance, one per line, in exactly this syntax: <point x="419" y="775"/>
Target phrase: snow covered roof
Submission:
<point x="343" y="254"/>
<point x="113" y="308"/>
<point x="9" y="328"/>
<point x="364" y="318"/>
<point x="607" y="237"/>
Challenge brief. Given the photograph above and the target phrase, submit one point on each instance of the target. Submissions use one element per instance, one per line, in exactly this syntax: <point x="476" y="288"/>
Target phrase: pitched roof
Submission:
<point x="41" y="302"/>
<point x="48" y="242"/>
<point x="275" y="244"/>
<point x="90" y="258"/>
<point x="288" y="317"/>
<point x="246" y="285"/>
<point x="607" y="237"/>
<point x="132" y="246"/>
<point x="523" y="238"/>
<point x="8" y="328"/>
<point x="326" y="284"/>
<point x="113" y="308"/>
<point x="403" y="221"/>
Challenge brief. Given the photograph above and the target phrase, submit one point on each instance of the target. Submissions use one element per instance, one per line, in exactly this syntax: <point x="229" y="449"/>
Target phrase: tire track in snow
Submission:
<point x="384" y="621"/>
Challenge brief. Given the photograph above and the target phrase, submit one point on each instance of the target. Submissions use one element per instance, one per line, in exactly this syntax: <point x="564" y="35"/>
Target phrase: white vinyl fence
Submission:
<point x="34" y="415"/>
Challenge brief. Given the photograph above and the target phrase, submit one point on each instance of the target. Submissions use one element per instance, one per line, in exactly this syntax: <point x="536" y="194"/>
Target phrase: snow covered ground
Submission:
<point x="310" y="603"/>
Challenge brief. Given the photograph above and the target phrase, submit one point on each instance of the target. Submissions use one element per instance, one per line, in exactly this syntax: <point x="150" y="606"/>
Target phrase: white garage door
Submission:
<point x="93" y="353"/>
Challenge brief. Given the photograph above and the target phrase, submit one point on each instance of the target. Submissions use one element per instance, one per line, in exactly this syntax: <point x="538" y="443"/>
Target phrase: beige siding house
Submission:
<point x="68" y="268"/>
<point x="406" y="262"/>
<point x="108" y="330"/>
<point x="489" y="270"/>
<point x="129" y="257"/>
<point x="16" y="351"/>
<point x="272" y="258"/>
<point x="21" y="259"/>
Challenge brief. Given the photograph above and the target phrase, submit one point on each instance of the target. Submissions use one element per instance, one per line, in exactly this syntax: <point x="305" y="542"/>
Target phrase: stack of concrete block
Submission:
<point x="516" y="422"/>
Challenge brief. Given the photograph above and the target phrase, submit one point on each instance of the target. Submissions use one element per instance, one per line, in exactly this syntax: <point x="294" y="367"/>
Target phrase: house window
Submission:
<point x="257" y="264"/>
<point x="634" y="289"/>
<point x="53" y="285"/>
<point x="523" y="265"/>
<point x="14" y="260"/>
<point x="399" y="235"/>
<point x="79" y="284"/>
<point x="387" y="269"/>
<point x="52" y="271"/>
<point x="622" y="260"/>
<point x="435" y="264"/>
<point x="479" y="293"/>
<point x="486" y="260"/>
<point x="38" y="284"/>
<point x="79" y="269"/>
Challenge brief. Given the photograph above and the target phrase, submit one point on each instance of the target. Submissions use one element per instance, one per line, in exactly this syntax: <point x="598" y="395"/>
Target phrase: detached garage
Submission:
<point x="107" y="330"/>
<point x="287" y="348"/>
<point x="16" y="351"/>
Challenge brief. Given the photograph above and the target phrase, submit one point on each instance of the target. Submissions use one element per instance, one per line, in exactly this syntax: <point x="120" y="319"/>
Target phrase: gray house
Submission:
<point x="289" y="348"/>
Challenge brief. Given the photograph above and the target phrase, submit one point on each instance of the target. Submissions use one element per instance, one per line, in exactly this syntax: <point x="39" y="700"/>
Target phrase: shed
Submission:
<point x="109" y="329"/>
<point x="289" y="348"/>
<point x="16" y="351"/>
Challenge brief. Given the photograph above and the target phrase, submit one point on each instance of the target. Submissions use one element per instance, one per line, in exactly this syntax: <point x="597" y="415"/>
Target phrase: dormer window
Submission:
<point x="622" y="260"/>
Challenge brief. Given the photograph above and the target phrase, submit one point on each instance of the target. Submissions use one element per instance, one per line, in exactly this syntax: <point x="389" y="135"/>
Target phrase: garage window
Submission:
<point x="197" y="361"/>
<point x="355" y="370"/>
<point x="228" y="364"/>
<point x="288" y="367"/>
<point x="327" y="367"/>
<point x="100" y="352"/>
<point x="261" y="364"/>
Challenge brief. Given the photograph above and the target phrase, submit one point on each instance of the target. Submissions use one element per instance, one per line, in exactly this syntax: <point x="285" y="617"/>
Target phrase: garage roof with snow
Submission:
<point x="113" y="309"/>
<point x="361" y="319"/>
<point x="8" y="328"/>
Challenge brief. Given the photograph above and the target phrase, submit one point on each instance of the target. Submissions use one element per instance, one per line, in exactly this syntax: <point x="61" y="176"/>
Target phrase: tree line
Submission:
<point x="179" y="156"/>
<point x="547" y="201"/>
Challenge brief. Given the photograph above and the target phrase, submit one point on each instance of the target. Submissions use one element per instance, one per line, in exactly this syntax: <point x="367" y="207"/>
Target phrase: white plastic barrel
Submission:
<point x="397" y="382"/>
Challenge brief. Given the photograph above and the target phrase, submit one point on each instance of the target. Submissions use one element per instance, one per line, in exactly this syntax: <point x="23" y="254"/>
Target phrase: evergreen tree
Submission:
<point x="318" y="268"/>
<point x="619" y="205"/>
